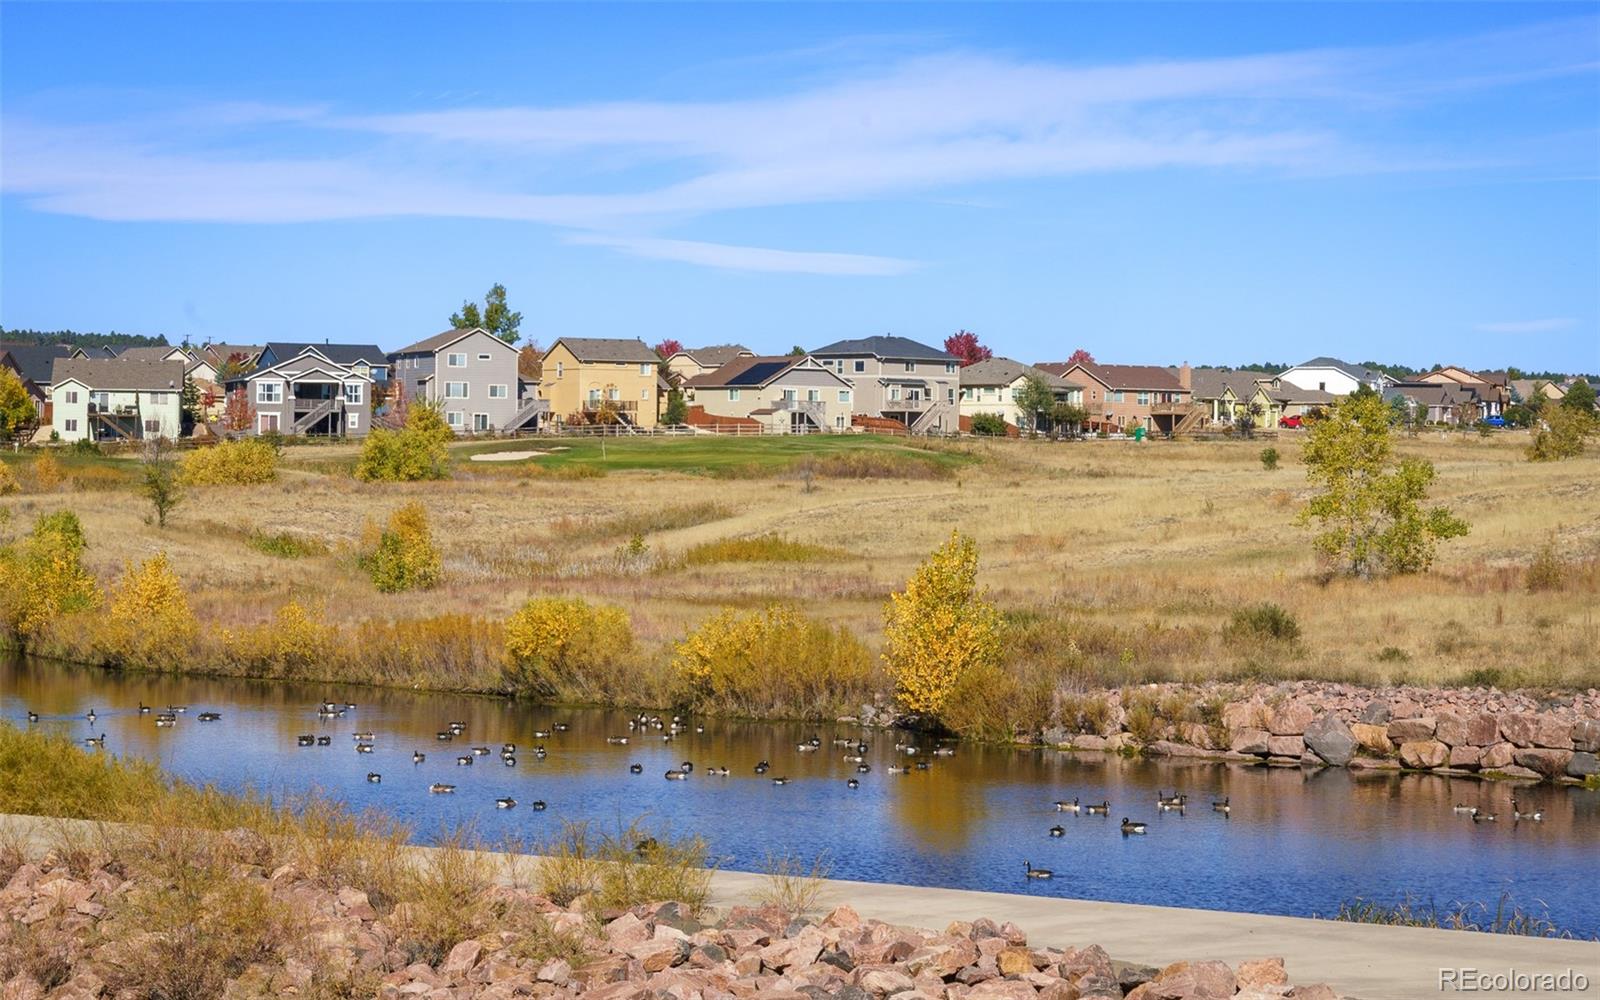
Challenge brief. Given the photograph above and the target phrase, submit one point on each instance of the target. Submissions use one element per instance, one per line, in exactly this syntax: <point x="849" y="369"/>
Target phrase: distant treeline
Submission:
<point x="112" y="339"/>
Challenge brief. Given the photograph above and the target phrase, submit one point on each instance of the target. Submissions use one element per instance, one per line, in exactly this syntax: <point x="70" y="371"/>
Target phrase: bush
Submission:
<point x="47" y="473"/>
<point x="246" y="462"/>
<point x="1564" y="434"/>
<point x="150" y="623"/>
<point x="419" y="451"/>
<point x="405" y="557"/>
<point x="989" y="424"/>
<point x="762" y="548"/>
<point x="1266" y="621"/>
<point x="939" y="628"/>
<point x="872" y="465"/>
<point x="1269" y="458"/>
<point x="8" y="481"/>
<point x="43" y="578"/>
<point x="627" y="868"/>
<point x="566" y="646"/>
<point x="1547" y="571"/>
<point x="285" y="546"/>
<point x="296" y="643"/>
<point x="774" y="661"/>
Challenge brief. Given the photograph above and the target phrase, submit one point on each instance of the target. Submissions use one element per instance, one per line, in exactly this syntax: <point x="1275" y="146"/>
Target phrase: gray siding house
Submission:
<point x="898" y="378"/>
<point x="471" y="375"/>
<point x="308" y="394"/>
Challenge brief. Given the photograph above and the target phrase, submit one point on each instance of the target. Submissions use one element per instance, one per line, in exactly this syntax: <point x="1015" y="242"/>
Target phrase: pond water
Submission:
<point x="1296" y="842"/>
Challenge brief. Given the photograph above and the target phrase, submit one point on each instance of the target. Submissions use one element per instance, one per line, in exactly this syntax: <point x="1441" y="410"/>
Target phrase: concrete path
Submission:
<point x="1358" y="960"/>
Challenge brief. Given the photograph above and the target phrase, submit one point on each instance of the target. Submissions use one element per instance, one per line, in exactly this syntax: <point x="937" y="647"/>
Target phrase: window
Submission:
<point x="1116" y="397"/>
<point x="453" y="418"/>
<point x="844" y="395"/>
<point x="644" y="369"/>
<point x="788" y="394"/>
<point x="1322" y="386"/>
<point x="1144" y="399"/>
<point x="353" y="394"/>
<point x="269" y="392"/>
<point x="561" y="369"/>
<point x="839" y="421"/>
<point x="72" y="395"/>
<point x="72" y="426"/>
<point x="355" y="421"/>
<point x="733" y="395"/>
<point x="861" y="366"/>
<point x="455" y="390"/>
<point x="644" y="393"/>
<point x="950" y="395"/>
<point x="483" y="357"/>
<point x="456" y="361"/>
<point x="480" y="421"/>
<point x="949" y="367"/>
<point x="894" y="393"/>
<point x="911" y="366"/>
<point x="266" y="423"/>
<point x="814" y="395"/>
<point x="594" y="395"/>
<point x="497" y="392"/>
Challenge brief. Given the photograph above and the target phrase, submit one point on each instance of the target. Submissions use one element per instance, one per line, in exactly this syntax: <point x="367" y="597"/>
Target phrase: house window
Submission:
<point x="560" y="369"/>
<point x="456" y="361"/>
<point x="1144" y="399"/>
<point x="72" y="426"/>
<point x="788" y="394"/>
<point x="950" y="395"/>
<point x="352" y="393"/>
<point x="497" y="392"/>
<point x="839" y="421"/>
<point x="480" y="421"/>
<point x="453" y="418"/>
<point x="861" y="366"/>
<point x="813" y="395"/>
<point x="72" y="396"/>
<point x="1322" y="386"/>
<point x="1116" y="397"/>
<point x="733" y="395"/>
<point x="644" y="393"/>
<point x="355" y="421"/>
<point x="644" y="369"/>
<point x="911" y="366"/>
<point x="266" y="423"/>
<point x="844" y="395"/>
<point x="949" y="367"/>
<point x="894" y="393"/>
<point x="455" y="390"/>
<point x="483" y="357"/>
<point x="269" y="392"/>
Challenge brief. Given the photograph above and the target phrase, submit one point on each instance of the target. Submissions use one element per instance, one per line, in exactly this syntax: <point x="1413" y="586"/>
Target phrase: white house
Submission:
<point x="1335" y="377"/>
<point x="115" y="398"/>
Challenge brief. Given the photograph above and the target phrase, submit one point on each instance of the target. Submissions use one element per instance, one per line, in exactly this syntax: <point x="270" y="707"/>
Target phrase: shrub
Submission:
<point x="1564" y="434"/>
<point x="285" y="546"/>
<point x="445" y="901"/>
<point x="47" y="473"/>
<point x="1269" y="458"/>
<point x="246" y="462"/>
<point x="872" y="465"/>
<point x="43" y="577"/>
<point x="1393" y="654"/>
<point x="989" y="424"/>
<point x="1547" y="571"/>
<point x="295" y="643"/>
<point x="405" y="557"/>
<point x="939" y="628"/>
<point x="160" y="479"/>
<point x="1142" y="715"/>
<point x="417" y="452"/>
<point x="1265" y="621"/>
<point x="8" y="481"/>
<point x="793" y="887"/>
<point x="772" y="661"/>
<point x="566" y="646"/>
<point x="150" y="623"/>
<point x="761" y="548"/>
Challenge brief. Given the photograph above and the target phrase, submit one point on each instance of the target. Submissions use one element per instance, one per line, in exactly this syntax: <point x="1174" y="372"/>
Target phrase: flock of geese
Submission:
<point x="1479" y="816"/>
<point x="163" y="720"/>
<point x="1176" y="802"/>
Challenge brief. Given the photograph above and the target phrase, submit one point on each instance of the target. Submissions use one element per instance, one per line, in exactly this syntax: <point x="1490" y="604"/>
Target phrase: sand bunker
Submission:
<point x="507" y="456"/>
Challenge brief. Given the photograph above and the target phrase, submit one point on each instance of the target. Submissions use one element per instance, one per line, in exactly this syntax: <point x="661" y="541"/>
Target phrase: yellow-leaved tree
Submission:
<point x="567" y="647"/>
<point x="404" y="557"/>
<point x="150" y="623"/>
<point x="939" y="629"/>
<point x="43" y="577"/>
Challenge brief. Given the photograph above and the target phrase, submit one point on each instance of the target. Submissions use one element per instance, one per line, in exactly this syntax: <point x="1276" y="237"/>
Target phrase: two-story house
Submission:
<point x="783" y="395"/>
<point x="1330" y="375"/>
<point x="1491" y="389"/>
<point x="470" y="374"/>
<point x="363" y="359"/>
<point x="113" y="398"/>
<point x="598" y="380"/>
<point x="991" y="387"/>
<point x="308" y="393"/>
<point x="900" y="379"/>
<point x="692" y="361"/>
<point x="1124" y="398"/>
<point x="35" y="364"/>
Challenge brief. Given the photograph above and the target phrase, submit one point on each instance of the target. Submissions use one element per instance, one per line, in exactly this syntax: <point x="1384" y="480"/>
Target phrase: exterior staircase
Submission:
<point x="1192" y="421"/>
<point x="530" y="411"/>
<point x="314" y="414"/>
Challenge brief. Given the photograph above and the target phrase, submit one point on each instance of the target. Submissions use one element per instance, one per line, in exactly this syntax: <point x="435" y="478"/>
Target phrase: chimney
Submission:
<point x="1185" y="375"/>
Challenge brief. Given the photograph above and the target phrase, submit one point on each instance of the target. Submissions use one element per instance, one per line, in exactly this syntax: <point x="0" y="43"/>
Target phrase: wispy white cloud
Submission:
<point x="1552" y="325"/>
<point x="913" y="125"/>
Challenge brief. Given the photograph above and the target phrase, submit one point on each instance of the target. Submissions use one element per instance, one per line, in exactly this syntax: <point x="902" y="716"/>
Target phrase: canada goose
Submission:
<point x="505" y="803"/>
<point x="1176" y="807"/>
<point x="843" y="741"/>
<point x="440" y="788"/>
<point x="362" y="737"/>
<point x="480" y="751"/>
<point x="96" y="741"/>
<point x="699" y="729"/>
<point x="544" y="734"/>
<point x="537" y="805"/>
<point x="508" y="748"/>
<point x="1062" y="806"/>
<point x="804" y="747"/>
<point x="562" y="727"/>
<point x="862" y="747"/>
<point x="1222" y="806"/>
<point x="165" y="722"/>
<point x="305" y="741"/>
<point x="324" y="741"/>
<point x="144" y="709"/>
<point x="417" y="756"/>
<point x="91" y="716"/>
<point x="33" y="716"/>
<point x="1173" y="801"/>
<point x="911" y="751"/>
<point x="458" y="727"/>
<point x="1103" y="809"/>
<point x="464" y="761"/>
<point x="721" y="772"/>
<point x="1516" y="813"/>
<point x="1479" y="816"/>
<point x="209" y="716"/>
<point x="1129" y="826"/>
<point x="762" y="767"/>
<point x="617" y="740"/>
<point x="852" y="783"/>
<point x="854" y="758"/>
<point x="899" y="770"/>
<point x="686" y="767"/>
<point x="1037" y="872"/>
<point x="374" y="777"/>
<point x="444" y="736"/>
<point x="815" y="741"/>
<point x="363" y="748"/>
<point x="508" y="760"/>
<point x="635" y="768"/>
<point x="540" y="752"/>
<point x="1058" y="831"/>
<point x="676" y="775"/>
<point x="1462" y="807"/>
<point x="922" y="765"/>
<point x="177" y="708"/>
<point x="863" y="768"/>
<point x="780" y="781"/>
<point x="944" y="752"/>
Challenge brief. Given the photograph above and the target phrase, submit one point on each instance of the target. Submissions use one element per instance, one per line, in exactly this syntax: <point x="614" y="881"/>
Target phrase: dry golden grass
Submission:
<point x="1138" y="555"/>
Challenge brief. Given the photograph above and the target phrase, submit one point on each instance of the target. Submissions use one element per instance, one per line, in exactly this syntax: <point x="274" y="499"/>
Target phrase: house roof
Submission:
<point x="887" y="346"/>
<point x="1526" y="387"/>
<point x="158" y="353"/>
<point x="1005" y="371"/>
<point x="35" y="360"/>
<point x="1212" y="383"/>
<point x="1431" y="393"/>
<point x="615" y="349"/>
<point x="441" y="340"/>
<point x="119" y="373"/>
<point x="747" y="371"/>
<point x="1121" y="376"/>
<point x="716" y="355"/>
<point x="1288" y="392"/>
<point x="222" y="352"/>
<point x="1356" y="372"/>
<point x="344" y="354"/>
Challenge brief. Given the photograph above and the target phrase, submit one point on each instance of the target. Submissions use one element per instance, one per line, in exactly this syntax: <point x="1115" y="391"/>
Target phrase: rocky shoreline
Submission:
<point x="61" y="922"/>
<point x="1479" y="732"/>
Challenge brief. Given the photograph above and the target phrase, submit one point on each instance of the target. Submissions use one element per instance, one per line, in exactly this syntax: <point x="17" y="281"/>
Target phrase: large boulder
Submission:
<point x="1329" y="738"/>
<point x="1553" y="732"/>
<point x="1286" y="746"/>
<point x="1290" y="719"/>
<point x="1249" y="741"/>
<point x="1466" y="758"/>
<point x="1583" y="764"/>
<point x="1483" y="729"/>
<point x="1372" y="736"/>
<point x="1193" y="981"/>
<point x="1586" y="735"/>
<point x="1547" y="762"/>
<point x="1377" y="713"/>
<point x="1519" y="728"/>
<point x="1498" y="755"/>
<point x="1450" y="729"/>
<point x="1262" y="972"/>
<point x="1243" y="714"/>
<point x="1411" y="730"/>
<point x="1423" y="755"/>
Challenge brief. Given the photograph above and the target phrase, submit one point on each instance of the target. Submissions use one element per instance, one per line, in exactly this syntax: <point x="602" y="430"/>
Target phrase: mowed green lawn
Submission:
<point x="709" y="454"/>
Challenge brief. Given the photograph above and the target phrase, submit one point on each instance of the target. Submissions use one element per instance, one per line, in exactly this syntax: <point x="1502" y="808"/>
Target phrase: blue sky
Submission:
<point x="1210" y="183"/>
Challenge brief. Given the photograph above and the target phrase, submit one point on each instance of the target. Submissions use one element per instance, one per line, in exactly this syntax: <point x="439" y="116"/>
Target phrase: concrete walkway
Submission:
<point x="1358" y="960"/>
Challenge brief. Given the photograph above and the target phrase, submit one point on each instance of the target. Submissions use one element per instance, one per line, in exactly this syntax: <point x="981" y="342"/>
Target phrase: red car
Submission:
<point x="1290" y="422"/>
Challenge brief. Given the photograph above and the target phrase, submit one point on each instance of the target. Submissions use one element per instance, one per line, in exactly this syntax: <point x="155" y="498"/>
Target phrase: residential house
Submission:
<point x="362" y="359"/>
<point x="1524" y="389"/>
<point x="1490" y="388"/>
<point x="781" y="395"/>
<point x="113" y="398"/>
<point x="1285" y="399"/>
<point x="157" y="353"/>
<point x="1123" y="398"/>
<point x="471" y="375"/>
<point x="35" y="364"/>
<point x="1330" y="375"/>
<point x="309" y="393"/>
<point x="592" y="380"/>
<point x="1437" y="402"/>
<point x="991" y="387"/>
<point x="1227" y="395"/>
<point x="689" y="362"/>
<point x="899" y="379"/>
<point x="232" y="357"/>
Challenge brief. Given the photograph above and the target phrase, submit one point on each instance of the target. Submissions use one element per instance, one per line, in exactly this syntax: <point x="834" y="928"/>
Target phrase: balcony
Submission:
<point x="914" y="404"/>
<point x="614" y="405"/>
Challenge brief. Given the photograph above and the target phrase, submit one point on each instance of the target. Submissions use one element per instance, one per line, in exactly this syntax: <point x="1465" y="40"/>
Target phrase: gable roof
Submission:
<point x="120" y="374"/>
<point x="344" y="354"/>
<point x="1121" y="377"/>
<point x="887" y="346"/>
<point x="220" y="353"/>
<point x="35" y="360"/>
<point x="754" y="372"/>
<point x="1212" y="383"/>
<point x="714" y="356"/>
<point x="1288" y="392"/>
<point x="1005" y="371"/>
<point x="613" y="349"/>
<point x="438" y="341"/>
<point x="1356" y="372"/>
<point x="158" y="353"/>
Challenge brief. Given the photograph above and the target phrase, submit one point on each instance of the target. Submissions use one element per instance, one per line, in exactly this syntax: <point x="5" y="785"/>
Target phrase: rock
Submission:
<point x="1014" y="962"/>
<point x="626" y="931"/>
<point x="1553" y="733"/>
<point x="1194" y="981"/>
<point x="1373" y="764"/>
<point x="1519" y="729"/>
<point x="1059" y="990"/>
<point x="1286" y="746"/>
<point x="1249" y="741"/>
<point x="1002" y="989"/>
<point x="557" y="971"/>
<point x="655" y="955"/>
<point x="1423" y="755"/>
<point x="1330" y="739"/>
<point x="1412" y="730"/>
<point x="1466" y="757"/>
<point x="884" y="982"/>
<point x="460" y="961"/>
<point x="787" y="952"/>
<point x="1290" y="719"/>
<point x="1169" y="748"/>
<point x="1516" y="771"/>
<point x="1195" y="734"/>
<point x="1498" y="755"/>
<point x="842" y="917"/>
<point x="1261" y="972"/>
<point x="1450" y="729"/>
<point x="1376" y="713"/>
<point x="1373" y="737"/>
<point x="1483" y="729"/>
<point x="1548" y="763"/>
<point x="1586" y="735"/>
<point x="1314" y="991"/>
<point x="1088" y="741"/>
<point x="1131" y="976"/>
<point x="1243" y="714"/>
<point x="1583" y="764"/>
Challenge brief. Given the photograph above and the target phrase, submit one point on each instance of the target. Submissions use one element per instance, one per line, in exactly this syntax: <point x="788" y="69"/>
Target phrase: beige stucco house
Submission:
<point x="596" y="380"/>
<point x="692" y="361"/>
<point x="991" y="387"/>
<point x="783" y="395"/>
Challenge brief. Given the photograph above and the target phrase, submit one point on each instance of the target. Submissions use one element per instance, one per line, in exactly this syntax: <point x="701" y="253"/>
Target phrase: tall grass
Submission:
<point x="630" y="865"/>
<point x="768" y="548"/>
<point x="1506" y="917"/>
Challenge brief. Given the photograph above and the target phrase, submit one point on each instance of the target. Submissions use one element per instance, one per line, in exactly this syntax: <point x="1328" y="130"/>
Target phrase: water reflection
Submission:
<point x="1296" y="841"/>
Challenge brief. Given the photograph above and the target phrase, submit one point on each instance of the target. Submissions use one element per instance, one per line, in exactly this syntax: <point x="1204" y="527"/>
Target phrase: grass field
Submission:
<point x="1125" y="561"/>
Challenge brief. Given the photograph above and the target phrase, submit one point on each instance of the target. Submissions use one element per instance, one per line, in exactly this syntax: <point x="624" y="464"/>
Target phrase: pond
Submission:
<point x="1296" y="842"/>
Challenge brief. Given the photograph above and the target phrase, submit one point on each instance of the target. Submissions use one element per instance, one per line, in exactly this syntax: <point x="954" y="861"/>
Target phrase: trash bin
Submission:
<point x="1138" y="433"/>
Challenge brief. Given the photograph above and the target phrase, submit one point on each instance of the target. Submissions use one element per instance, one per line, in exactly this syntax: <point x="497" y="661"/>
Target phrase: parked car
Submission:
<point x="1493" y="421"/>
<point x="1290" y="422"/>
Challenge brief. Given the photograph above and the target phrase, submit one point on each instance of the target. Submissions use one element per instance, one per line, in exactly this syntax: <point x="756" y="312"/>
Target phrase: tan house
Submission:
<point x="991" y="387"/>
<point x="1524" y="389"/>
<point x="596" y="380"/>
<point x="1123" y="398"/>
<point x="782" y="395"/>
<point x="1490" y="388"/>
<point x="692" y="361"/>
<point x="899" y="379"/>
